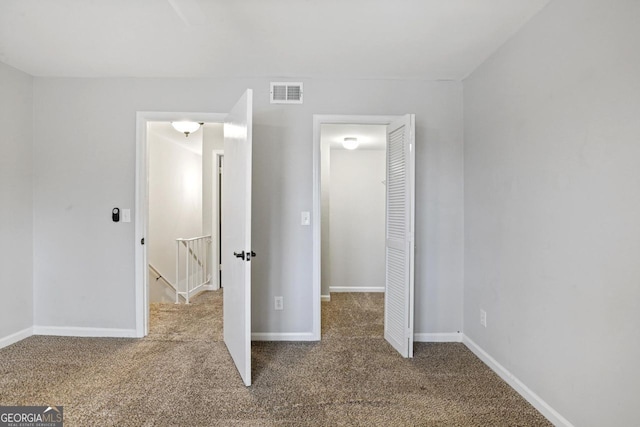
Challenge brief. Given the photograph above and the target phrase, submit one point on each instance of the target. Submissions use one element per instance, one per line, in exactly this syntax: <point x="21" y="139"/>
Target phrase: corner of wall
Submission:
<point x="535" y="400"/>
<point x="16" y="186"/>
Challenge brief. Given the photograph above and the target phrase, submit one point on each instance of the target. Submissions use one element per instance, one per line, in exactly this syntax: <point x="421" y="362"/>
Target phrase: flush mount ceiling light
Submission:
<point x="350" y="143"/>
<point x="186" y="127"/>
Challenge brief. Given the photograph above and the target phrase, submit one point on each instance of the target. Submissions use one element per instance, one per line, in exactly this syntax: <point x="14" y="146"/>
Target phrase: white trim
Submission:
<point x="316" y="251"/>
<point x="438" y="337"/>
<point x="283" y="336"/>
<point x="15" y="337"/>
<point x="318" y="121"/>
<point x="72" y="331"/>
<point x="524" y="391"/>
<point x="356" y="289"/>
<point x="325" y="298"/>
<point x="142" y="203"/>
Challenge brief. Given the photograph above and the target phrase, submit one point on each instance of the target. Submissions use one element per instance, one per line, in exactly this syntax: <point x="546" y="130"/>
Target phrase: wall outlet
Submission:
<point x="278" y="303"/>
<point x="483" y="318"/>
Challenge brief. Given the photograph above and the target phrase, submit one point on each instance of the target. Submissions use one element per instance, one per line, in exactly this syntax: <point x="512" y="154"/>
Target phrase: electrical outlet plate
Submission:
<point x="305" y="218"/>
<point x="483" y="318"/>
<point x="278" y="303"/>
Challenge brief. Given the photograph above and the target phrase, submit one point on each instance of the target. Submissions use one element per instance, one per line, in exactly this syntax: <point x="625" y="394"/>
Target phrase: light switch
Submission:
<point x="306" y="218"/>
<point x="126" y="215"/>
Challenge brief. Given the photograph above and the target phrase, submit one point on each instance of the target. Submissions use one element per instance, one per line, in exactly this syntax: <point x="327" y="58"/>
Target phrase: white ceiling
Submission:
<point x="370" y="137"/>
<point x="409" y="39"/>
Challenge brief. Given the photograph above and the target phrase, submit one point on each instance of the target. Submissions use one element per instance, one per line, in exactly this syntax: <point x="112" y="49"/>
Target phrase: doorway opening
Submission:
<point x="181" y="212"/>
<point x="236" y="223"/>
<point x="353" y="208"/>
<point x="353" y="161"/>
<point x="176" y="209"/>
<point x="358" y="246"/>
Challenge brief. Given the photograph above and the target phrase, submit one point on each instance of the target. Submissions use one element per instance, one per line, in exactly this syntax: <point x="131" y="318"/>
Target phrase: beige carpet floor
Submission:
<point x="182" y="375"/>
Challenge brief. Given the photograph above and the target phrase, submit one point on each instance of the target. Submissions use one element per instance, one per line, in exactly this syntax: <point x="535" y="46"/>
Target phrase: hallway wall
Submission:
<point x="175" y="201"/>
<point x="357" y="224"/>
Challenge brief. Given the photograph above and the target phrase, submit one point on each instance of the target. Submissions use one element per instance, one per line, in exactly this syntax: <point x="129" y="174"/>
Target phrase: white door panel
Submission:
<point x="236" y="234"/>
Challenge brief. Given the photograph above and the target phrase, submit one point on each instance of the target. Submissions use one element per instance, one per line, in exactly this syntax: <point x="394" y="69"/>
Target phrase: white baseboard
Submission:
<point x="283" y="336"/>
<point x="438" y="337"/>
<point x="15" y="337"/>
<point x="325" y="298"/>
<point x="209" y="288"/>
<point x="524" y="391"/>
<point x="356" y="289"/>
<point x="62" y="331"/>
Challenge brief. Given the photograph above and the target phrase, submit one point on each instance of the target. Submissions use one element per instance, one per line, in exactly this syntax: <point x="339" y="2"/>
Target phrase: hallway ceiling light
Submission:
<point x="186" y="127"/>
<point x="350" y="143"/>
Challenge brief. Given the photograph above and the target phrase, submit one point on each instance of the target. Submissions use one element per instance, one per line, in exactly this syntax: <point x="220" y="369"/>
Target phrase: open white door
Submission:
<point x="399" y="248"/>
<point x="236" y="234"/>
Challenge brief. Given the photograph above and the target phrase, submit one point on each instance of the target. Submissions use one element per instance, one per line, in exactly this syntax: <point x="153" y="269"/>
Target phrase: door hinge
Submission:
<point x="142" y="241"/>
<point x="220" y="267"/>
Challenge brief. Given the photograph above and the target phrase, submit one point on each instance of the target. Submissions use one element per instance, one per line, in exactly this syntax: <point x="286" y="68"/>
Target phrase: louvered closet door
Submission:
<point x="398" y="307"/>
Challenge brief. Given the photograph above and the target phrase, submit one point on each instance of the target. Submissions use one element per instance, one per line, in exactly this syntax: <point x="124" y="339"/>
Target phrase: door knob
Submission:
<point x="239" y="255"/>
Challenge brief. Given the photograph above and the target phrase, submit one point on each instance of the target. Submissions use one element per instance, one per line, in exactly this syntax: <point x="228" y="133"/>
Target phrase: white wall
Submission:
<point x="16" y="206"/>
<point x="175" y="200"/>
<point x="85" y="158"/>
<point x="357" y="217"/>
<point x="552" y="208"/>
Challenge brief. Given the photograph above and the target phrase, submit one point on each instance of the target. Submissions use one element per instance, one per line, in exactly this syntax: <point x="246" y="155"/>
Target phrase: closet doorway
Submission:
<point x="353" y="208"/>
<point x="343" y="232"/>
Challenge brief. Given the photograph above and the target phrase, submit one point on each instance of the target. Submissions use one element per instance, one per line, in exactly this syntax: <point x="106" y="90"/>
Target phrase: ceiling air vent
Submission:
<point x="286" y="93"/>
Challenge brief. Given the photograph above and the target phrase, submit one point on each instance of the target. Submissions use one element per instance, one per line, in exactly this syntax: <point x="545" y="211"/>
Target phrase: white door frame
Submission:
<point x="318" y="121"/>
<point x="142" y="203"/>
<point x="215" y="218"/>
